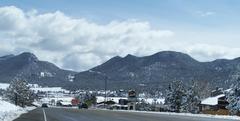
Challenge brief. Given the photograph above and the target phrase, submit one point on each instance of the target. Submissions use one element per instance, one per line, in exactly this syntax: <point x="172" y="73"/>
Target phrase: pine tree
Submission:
<point x="175" y="97"/>
<point x="19" y="93"/>
<point x="193" y="100"/>
<point x="233" y="98"/>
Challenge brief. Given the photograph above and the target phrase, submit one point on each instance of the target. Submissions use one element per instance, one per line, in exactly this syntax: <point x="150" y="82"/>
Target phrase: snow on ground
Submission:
<point x="153" y="100"/>
<point x="9" y="112"/>
<point x="55" y="99"/>
<point x="36" y="88"/>
<point x="116" y="99"/>
<point x="186" y="114"/>
<point x="49" y="89"/>
<point x="4" y="86"/>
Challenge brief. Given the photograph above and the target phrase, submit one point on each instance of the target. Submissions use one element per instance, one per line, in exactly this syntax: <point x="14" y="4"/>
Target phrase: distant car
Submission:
<point x="44" y="105"/>
<point x="83" y="106"/>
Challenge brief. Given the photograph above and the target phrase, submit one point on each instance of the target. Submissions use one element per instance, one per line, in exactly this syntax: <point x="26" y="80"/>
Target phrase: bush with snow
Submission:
<point x="233" y="98"/>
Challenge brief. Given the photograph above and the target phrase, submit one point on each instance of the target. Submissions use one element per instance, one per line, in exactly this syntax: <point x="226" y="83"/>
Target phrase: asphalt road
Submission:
<point x="59" y="114"/>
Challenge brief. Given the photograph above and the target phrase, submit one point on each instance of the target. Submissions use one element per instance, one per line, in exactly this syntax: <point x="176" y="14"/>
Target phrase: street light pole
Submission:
<point x="105" y="87"/>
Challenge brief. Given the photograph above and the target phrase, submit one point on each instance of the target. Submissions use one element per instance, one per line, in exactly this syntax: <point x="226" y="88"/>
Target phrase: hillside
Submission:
<point x="27" y="66"/>
<point x="157" y="71"/>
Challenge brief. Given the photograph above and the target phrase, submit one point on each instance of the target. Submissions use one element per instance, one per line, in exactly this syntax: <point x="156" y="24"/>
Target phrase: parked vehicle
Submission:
<point x="44" y="105"/>
<point x="83" y="106"/>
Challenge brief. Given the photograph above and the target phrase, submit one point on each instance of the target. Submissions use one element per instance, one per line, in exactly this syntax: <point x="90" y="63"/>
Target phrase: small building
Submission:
<point x="75" y="102"/>
<point x="132" y="99"/>
<point x="215" y="105"/>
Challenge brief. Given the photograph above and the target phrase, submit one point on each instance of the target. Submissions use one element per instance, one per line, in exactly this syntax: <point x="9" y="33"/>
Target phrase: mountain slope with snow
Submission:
<point x="27" y="66"/>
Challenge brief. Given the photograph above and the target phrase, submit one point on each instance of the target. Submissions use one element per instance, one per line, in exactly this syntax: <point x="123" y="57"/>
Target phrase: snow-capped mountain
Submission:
<point x="157" y="71"/>
<point x="27" y="66"/>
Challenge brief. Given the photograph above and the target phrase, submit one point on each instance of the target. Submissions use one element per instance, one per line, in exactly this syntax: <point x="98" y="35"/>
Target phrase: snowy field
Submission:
<point x="37" y="88"/>
<point x="63" y="99"/>
<point x="9" y="112"/>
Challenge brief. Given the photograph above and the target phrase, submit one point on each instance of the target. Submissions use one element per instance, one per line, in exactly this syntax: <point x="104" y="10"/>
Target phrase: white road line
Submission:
<point x="44" y="115"/>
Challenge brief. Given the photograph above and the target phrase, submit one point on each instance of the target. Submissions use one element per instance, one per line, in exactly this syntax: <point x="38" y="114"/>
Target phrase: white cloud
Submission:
<point x="73" y="43"/>
<point x="205" y="13"/>
<point x="79" y="44"/>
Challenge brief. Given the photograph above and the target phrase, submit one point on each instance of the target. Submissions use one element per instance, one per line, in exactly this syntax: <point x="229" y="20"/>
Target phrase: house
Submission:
<point x="216" y="104"/>
<point x="75" y="102"/>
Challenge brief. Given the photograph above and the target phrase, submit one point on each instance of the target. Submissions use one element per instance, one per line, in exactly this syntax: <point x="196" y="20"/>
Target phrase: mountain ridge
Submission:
<point x="28" y="67"/>
<point x="158" y="70"/>
<point x="155" y="72"/>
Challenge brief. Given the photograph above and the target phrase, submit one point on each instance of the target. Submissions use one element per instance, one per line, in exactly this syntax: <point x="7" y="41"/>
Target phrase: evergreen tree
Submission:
<point x="89" y="98"/>
<point x="19" y="93"/>
<point x="233" y="98"/>
<point x="193" y="100"/>
<point x="176" y="97"/>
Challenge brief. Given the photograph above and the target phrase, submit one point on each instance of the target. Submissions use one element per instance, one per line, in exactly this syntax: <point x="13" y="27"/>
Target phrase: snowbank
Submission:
<point x="9" y="112"/>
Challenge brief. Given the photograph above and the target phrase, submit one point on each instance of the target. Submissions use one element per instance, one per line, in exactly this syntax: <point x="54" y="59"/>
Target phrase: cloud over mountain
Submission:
<point x="79" y="44"/>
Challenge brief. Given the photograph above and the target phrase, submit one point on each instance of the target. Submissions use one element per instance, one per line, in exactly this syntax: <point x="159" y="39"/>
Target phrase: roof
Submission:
<point x="212" y="100"/>
<point x="66" y="103"/>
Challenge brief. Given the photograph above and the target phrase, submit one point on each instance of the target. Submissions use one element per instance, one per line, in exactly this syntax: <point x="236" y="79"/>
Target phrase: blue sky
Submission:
<point x="161" y="13"/>
<point x="165" y="14"/>
<point x="205" y="29"/>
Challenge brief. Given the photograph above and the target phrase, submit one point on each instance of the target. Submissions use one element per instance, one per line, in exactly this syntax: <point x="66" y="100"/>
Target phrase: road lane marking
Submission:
<point x="44" y="115"/>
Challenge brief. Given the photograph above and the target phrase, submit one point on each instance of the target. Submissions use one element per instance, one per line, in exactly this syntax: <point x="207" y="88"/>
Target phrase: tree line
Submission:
<point x="187" y="99"/>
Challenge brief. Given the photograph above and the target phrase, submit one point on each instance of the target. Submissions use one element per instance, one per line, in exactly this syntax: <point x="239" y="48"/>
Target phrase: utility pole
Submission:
<point x="105" y="87"/>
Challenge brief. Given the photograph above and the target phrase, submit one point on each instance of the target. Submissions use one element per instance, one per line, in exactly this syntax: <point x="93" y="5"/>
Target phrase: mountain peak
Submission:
<point x="168" y="55"/>
<point x="130" y="56"/>
<point x="27" y="66"/>
<point x="29" y="56"/>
